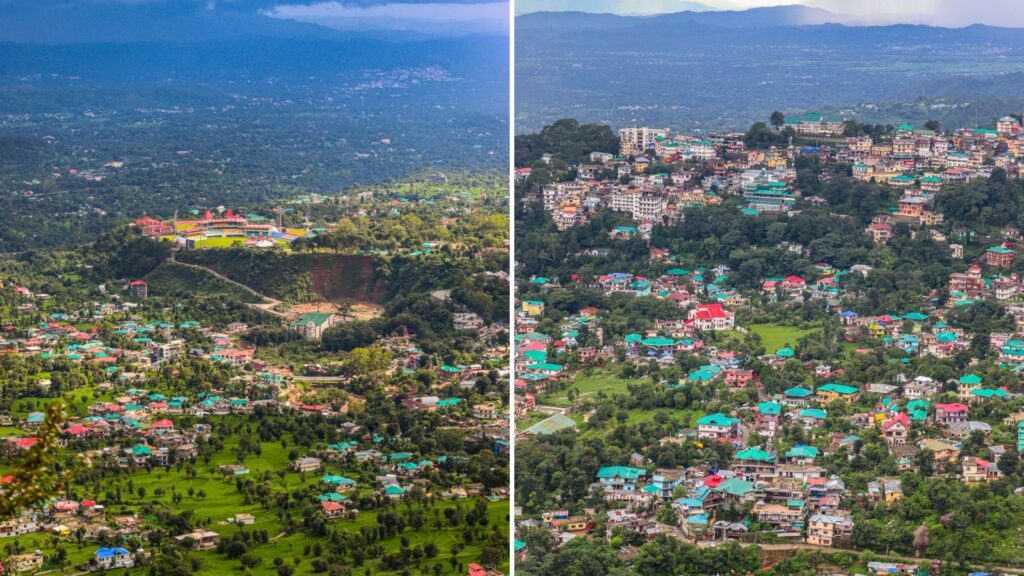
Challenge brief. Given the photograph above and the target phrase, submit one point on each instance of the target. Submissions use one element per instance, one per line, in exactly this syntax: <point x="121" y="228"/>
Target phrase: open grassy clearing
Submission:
<point x="587" y="386"/>
<point x="775" y="336"/>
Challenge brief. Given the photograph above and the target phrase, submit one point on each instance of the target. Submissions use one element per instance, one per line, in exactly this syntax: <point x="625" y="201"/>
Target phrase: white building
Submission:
<point x="638" y="139"/>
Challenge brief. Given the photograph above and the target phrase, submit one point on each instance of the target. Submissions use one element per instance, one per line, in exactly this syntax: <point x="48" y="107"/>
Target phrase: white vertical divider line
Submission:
<point x="511" y="284"/>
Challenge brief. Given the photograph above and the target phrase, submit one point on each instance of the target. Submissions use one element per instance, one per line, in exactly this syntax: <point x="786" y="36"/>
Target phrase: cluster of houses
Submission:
<point x="927" y="159"/>
<point x="130" y="427"/>
<point x="706" y="303"/>
<point x="703" y="169"/>
<point x="103" y="558"/>
<point x="136" y="343"/>
<point x="63" y="517"/>
<point x="401" y="473"/>
<point x="137" y="431"/>
<point x="785" y="487"/>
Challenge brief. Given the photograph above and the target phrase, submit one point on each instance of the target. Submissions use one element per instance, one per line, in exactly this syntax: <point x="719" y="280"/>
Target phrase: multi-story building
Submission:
<point x="563" y="194"/>
<point x="770" y="197"/>
<point x="139" y="289"/>
<point x="816" y="124"/>
<point x="969" y="283"/>
<point x="642" y="206"/>
<point x="616" y="480"/>
<point x="665" y="481"/>
<point x="903" y="146"/>
<point x="466" y="321"/>
<point x="881" y="232"/>
<point x="753" y="464"/>
<point x="637" y="139"/>
<point x="885" y="490"/>
<point x="1000" y="256"/>
<point x="978" y="470"/>
<point x="313" y="324"/>
<point x="896" y="430"/>
<point x="951" y="413"/>
<point x="825" y="529"/>
<point x="1008" y="125"/>
<point x="30" y="562"/>
<point x="788" y="515"/>
<point x="712" y="317"/>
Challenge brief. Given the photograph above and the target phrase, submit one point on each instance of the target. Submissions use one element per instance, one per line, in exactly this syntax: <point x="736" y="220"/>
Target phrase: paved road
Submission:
<point x="881" y="557"/>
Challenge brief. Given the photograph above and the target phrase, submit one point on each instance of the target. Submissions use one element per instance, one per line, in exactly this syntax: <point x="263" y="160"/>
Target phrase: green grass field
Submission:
<point x="293" y="545"/>
<point x="220" y="500"/>
<point x="587" y="386"/>
<point x="77" y="401"/>
<point x="688" y="418"/>
<point x="683" y="418"/>
<point x="775" y="336"/>
<point x="220" y="242"/>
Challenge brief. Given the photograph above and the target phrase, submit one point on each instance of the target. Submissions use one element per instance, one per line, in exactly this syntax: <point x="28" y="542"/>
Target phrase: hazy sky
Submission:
<point x="440" y="17"/>
<point x="952" y="13"/>
<point x="938" y="12"/>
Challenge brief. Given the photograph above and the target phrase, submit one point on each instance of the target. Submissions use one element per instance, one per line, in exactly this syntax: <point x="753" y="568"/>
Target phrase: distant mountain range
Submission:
<point x="768" y="17"/>
<point x="945" y="13"/>
<point x="724" y="69"/>
<point x="753" y="18"/>
<point x="227" y="45"/>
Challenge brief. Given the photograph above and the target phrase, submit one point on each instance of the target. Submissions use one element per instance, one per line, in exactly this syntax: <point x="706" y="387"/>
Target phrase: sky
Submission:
<point x="949" y="13"/>
<point x="443" y="17"/>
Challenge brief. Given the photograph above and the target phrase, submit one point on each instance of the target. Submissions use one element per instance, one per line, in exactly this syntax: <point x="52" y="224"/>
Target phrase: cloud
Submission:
<point x="445" y="18"/>
<point x="949" y="13"/>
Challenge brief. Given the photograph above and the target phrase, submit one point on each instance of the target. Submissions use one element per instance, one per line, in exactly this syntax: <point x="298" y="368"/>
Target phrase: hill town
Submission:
<point x="791" y="346"/>
<point x="270" y="404"/>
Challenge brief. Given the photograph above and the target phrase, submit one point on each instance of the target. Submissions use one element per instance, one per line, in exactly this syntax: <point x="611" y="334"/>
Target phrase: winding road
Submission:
<point x="267" y="304"/>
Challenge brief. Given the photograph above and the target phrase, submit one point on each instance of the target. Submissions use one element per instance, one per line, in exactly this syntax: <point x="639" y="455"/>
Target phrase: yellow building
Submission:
<point x="533" y="307"/>
<point x="828" y="393"/>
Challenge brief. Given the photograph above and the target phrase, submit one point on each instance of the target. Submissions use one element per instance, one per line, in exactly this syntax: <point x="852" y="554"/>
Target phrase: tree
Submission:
<point x="580" y="556"/>
<point x="345" y="309"/>
<point x="37" y="476"/>
<point x="777" y="119"/>
<point x="666" y="515"/>
<point x="1009" y="463"/>
<point x="491" y="556"/>
<point x="924" y="460"/>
